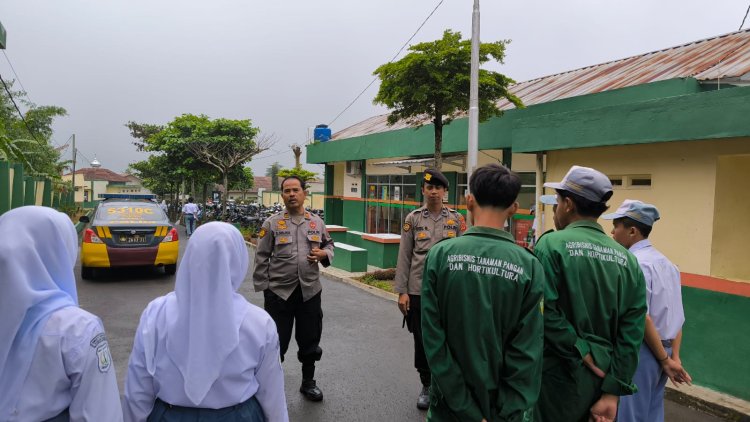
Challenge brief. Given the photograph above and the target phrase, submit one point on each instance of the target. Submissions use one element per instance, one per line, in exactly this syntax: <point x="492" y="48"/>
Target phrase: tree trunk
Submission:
<point x="192" y="187"/>
<point x="224" y="199"/>
<point x="205" y="193"/>
<point x="438" y="124"/>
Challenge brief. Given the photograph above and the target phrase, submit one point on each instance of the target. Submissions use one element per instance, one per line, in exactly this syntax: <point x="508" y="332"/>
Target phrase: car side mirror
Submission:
<point x="84" y="219"/>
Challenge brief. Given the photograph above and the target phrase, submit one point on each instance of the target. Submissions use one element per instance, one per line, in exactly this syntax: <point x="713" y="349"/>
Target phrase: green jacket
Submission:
<point x="595" y="302"/>
<point x="482" y="326"/>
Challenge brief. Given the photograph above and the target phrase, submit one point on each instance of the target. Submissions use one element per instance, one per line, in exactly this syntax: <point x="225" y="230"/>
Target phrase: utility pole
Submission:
<point x="473" y="147"/>
<point x="74" y="168"/>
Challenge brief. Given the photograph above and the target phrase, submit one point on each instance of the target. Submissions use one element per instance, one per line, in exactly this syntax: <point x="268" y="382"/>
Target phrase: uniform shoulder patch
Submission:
<point x="407" y="227"/>
<point x="262" y="233"/>
<point x="103" y="355"/>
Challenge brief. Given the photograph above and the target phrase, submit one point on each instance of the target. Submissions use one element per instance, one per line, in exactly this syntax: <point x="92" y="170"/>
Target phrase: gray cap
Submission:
<point x="636" y="210"/>
<point x="548" y="199"/>
<point x="585" y="182"/>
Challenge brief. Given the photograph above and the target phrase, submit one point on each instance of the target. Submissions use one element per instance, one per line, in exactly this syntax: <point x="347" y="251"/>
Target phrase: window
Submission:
<point x="640" y="181"/>
<point x="615" y="180"/>
<point x="631" y="181"/>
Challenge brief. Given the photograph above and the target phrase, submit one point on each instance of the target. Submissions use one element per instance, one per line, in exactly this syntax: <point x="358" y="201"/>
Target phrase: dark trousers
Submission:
<point x="249" y="411"/>
<point x="309" y="320"/>
<point x="415" y="323"/>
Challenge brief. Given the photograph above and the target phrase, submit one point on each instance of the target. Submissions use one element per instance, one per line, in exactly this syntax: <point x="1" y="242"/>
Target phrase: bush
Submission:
<point x="387" y="274"/>
<point x="370" y="280"/>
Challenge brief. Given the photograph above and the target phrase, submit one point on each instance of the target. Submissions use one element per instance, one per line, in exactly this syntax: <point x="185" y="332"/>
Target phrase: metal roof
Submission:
<point x="723" y="57"/>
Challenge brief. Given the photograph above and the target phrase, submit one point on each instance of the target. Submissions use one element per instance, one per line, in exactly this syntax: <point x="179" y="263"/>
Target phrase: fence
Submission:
<point x="18" y="189"/>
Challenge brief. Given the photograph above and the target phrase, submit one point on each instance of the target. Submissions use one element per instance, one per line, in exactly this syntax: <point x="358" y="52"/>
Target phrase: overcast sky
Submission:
<point x="290" y="64"/>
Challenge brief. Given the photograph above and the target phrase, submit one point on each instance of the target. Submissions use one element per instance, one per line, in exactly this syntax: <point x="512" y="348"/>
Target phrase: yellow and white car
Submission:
<point x="128" y="230"/>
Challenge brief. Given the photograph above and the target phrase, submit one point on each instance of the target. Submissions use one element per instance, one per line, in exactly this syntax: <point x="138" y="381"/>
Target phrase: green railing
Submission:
<point x="18" y="189"/>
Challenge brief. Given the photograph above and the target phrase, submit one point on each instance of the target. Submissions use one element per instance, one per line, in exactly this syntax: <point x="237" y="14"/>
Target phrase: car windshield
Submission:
<point x="130" y="213"/>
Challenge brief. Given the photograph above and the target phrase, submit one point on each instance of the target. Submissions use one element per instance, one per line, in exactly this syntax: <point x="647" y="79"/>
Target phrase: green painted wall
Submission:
<point x="352" y="261"/>
<point x="18" y="190"/>
<point x="333" y="211"/>
<point x="5" y="186"/>
<point x="716" y="344"/>
<point x="47" y="193"/>
<point x="382" y="255"/>
<point x="353" y="215"/>
<point x="29" y="191"/>
<point x="495" y="133"/>
<point x="705" y="115"/>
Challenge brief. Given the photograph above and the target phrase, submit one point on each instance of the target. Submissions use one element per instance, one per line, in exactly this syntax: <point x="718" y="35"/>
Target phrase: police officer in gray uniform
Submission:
<point x="423" y="228"/>
<point x="290" y="246"/>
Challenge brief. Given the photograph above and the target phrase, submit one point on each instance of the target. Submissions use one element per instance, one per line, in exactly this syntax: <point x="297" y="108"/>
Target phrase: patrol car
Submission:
<point x="128" y="230"/>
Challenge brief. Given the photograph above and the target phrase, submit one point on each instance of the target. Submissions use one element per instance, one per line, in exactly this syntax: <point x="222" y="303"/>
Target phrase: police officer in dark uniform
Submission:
<point x="423" y="228"/>
<point x="291" y="243"/>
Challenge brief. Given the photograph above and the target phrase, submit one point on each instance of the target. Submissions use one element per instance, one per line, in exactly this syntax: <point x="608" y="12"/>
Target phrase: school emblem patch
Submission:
<point x="313" y="225"/>
<point x="262" y="233"/>
<point x="103" y="356"/>
<point x="407" y="227"/>
<point x="281" y="225"/>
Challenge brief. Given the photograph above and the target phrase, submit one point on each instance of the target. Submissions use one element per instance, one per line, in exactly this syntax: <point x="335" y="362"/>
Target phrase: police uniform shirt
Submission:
<point x="483" y="327"/>
<point x="420" y="232"/>
<point x="284" y="242"/>
<point x="663" y="290"/>
<point x="72" y="369"/>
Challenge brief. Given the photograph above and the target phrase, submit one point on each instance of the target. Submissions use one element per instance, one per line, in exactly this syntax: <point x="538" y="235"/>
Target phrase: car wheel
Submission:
<point x="170" y="269"/>
<point x="87" y="273"/>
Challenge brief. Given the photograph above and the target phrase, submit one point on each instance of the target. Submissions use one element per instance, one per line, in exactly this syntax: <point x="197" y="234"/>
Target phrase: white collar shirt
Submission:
<point x="261" y="375"/>
<point x="190" y="208"/>
<point x="72" y="369"/>
<point x="664" y="293"/>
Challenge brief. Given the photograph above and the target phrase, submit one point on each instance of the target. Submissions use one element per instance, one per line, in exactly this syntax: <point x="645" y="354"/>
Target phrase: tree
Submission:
<point x="27" y="140"/>
<point x="299" y="172"/>
<point x="220" y="143"/>
<point x="244" y="182"/>
<point x="431" y="84"/>
<point x="273" y="173"/>
<point x="297" y="151"/>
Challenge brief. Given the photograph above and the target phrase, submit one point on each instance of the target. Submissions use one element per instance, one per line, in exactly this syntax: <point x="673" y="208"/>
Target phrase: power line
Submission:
<point x="743" y="19"/>
<point x="389" y="61"/>
<point x="14" y="72"/>
<point x="33" y="135"/>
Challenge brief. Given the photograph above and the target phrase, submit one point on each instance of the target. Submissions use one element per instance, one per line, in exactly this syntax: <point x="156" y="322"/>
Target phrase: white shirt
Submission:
<point x="263" y="378"/>
<point x="664" y="292"/>
<point x="190" y="208"/>
<point x="72" y="369"/>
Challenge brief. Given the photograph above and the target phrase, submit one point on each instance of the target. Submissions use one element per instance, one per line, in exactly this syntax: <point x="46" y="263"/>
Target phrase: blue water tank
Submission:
<point x="322" y="133"/>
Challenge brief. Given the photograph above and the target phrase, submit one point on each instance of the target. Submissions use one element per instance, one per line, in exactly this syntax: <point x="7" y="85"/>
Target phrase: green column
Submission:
<point x="29" y="191"/>
<point x="47" y="193"/>
<point x="55" y="200"/>
<point x="18" y="193"/>
<point x="4" y="186"/>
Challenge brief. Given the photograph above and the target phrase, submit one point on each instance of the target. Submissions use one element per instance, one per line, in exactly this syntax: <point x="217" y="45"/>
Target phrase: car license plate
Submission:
<point x="133" y="239"/>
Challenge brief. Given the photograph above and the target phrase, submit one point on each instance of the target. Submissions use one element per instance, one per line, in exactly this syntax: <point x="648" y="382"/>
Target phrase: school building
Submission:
<point x="669" y="127"/>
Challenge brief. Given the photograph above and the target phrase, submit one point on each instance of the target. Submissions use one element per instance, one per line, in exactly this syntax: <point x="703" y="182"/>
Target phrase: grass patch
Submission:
<point x="377" y="279"/>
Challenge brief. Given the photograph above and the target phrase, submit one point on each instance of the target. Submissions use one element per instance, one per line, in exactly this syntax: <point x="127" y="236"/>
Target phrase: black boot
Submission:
<point x="423" y="401"/>
<point x="310" y="390"/>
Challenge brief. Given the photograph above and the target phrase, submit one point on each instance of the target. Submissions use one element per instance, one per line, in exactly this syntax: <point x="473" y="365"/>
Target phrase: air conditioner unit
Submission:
<point x="354" y="168"/>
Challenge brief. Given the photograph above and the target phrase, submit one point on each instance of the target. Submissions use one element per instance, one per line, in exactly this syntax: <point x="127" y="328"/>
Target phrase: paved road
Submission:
<point x="366" y="373"/>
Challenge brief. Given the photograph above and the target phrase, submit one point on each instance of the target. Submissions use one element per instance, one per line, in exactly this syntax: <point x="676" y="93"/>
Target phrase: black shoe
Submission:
<point x="310" y="390"/>
<point x="423" y="402"/>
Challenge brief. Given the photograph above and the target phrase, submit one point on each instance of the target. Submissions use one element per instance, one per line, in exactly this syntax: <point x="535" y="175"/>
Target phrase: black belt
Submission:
<point x="667" y="343"/>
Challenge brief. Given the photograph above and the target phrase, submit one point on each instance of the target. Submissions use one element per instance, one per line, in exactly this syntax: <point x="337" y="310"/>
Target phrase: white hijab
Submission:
<point x="204" y="316"/>
<point x="38" y="250"/>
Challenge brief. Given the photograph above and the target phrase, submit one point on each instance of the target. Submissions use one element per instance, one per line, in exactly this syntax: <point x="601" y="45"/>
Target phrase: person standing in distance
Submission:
<point x="595" y="306"/>
<point x="482" y="305"/>
<point x="189" y="212"/>
<point x="291" y="243"/>
<point x="423" y="228"/>
<point x="660" y="350"/>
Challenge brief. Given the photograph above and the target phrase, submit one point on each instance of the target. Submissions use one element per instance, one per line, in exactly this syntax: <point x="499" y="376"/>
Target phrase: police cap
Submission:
<point x="434" y="177"/>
